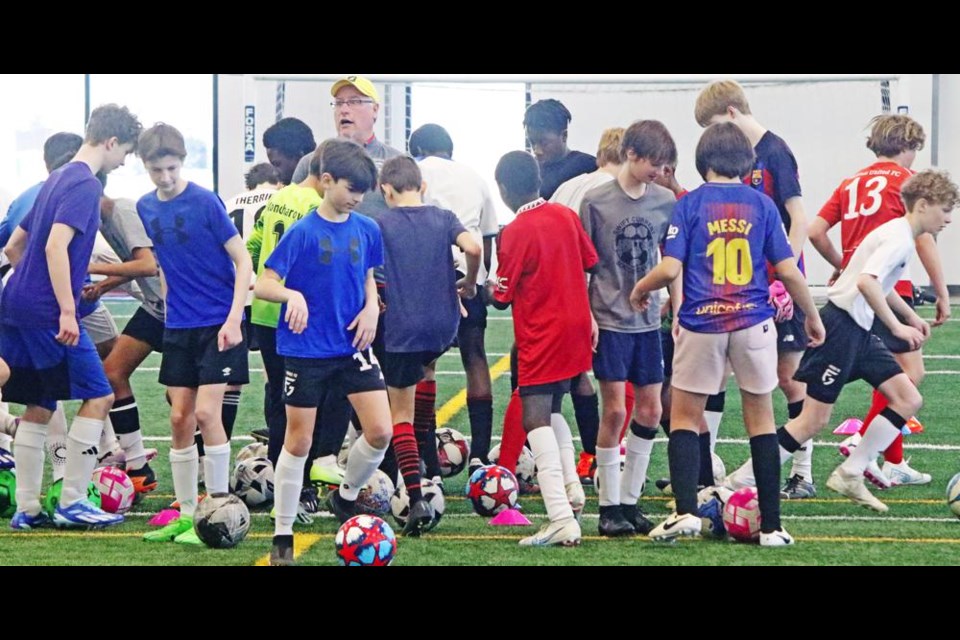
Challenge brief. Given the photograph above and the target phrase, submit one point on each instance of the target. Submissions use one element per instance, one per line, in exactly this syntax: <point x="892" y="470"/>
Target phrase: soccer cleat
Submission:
<point x="144" y="479"/>
<point x="849" y="444"/>
<point x="613" y="524"/>
<point x="577" y="498"/>
<point x="675" y="526"/>
<point x="874" y="474"/>
<point x="419" y="519"/>
<point x="903" y="474"/>
<point x="326" y="471"/>
<point x="853" y="488"/>
<point x="797" y="488"/>
<point x="176" y="503"/>
<point x="635" y="516"/>
<point x="83" y="514"/>
<point x="309" y="499"/>
<point x="565" y="533"/>
<point x="23" y="521"/>
<point x="585" y="467"/>
<point x="117" y="457"/>
<point x="778" y="538"/>
<point x="475" y="463"/>
<point x="342" y="509"/>
<point x="527" y="488"/>
<point x="188" y="537"/>
<point x="261" y="435"/>
<point x="170" y="532"/>
<point x="663" y="484"/>
<point x="281" y="555"/>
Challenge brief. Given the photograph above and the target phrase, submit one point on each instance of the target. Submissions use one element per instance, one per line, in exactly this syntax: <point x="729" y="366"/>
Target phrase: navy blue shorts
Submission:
<point x="192" y="359"/>
<point x="666" y="345"/>
<point x="791" y="335"/>
<point x="633" y="357"/>
<point x="43" y="371"/>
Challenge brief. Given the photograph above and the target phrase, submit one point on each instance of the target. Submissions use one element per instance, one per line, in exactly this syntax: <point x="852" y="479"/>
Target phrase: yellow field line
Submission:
<point x="301" y="542"/>
<point x="455" y="404"/>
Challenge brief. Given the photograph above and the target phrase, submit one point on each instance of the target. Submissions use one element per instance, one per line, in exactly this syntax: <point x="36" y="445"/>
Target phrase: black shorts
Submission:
<point x="401" y="370"/>
<point x="476" y="313"/>
<point x="191" y="359"/>
<point x="666" y="345"/>
<point x="555" y="389"/>
<point x="629" y="357"/>
<point x="306" y="379"/>
<point x="849" y="353"/>
<point x="895" y="344"/>
<point x="252" y="343"/>
<point x="145" y="328"/>
<point x="791" y="336"/>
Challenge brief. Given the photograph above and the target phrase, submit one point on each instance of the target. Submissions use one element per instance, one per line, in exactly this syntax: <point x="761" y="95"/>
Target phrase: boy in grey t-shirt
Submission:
<point x="627" y="219"/>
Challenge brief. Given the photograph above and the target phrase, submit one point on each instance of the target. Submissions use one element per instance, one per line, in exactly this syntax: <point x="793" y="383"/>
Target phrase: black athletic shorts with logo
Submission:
<point x="305" y="379"/>
<point x="791" y="336"/>
<point x="849" y="353"/>
<point x="895" y="344"/>
<point x="191" y="358"/>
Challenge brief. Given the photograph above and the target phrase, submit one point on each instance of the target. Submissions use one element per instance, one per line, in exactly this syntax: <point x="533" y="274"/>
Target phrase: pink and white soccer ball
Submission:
<point x="741" y="515"/>
<point x="116" y="489"/>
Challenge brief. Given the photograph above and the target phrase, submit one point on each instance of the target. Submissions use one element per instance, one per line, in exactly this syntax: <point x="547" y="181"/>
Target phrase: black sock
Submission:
<point x="125" y="416"/>
<point x="794" y="409"/>
<point x="425" y="425"/>
<point x="766" y="469"/>
<point x="665" y="425"/>
<point x="481" y="426"/>
<point x="198" y="440"/>
<point x="514" y="369"/>
<point x="389" y="466"/>
<point x="716" y="402"/>
<point x="683" y="452"/>
<point x="786" y="441"/>
<point x="586" y="409"/>
<point x="706" y="461"/>
<point x="228" y="411"/>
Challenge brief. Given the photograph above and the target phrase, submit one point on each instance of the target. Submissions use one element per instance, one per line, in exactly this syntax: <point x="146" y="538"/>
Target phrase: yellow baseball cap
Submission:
<point x="361" y="84"/>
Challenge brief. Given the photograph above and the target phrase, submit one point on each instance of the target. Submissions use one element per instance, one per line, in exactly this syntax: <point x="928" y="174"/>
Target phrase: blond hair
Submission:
<point x="608" y="151"/>
<point x="933" y="186"/>
<point x="716" y="97"/>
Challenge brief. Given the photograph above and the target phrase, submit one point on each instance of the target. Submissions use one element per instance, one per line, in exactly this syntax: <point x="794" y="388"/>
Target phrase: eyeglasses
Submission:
<point x="352" y="102"/>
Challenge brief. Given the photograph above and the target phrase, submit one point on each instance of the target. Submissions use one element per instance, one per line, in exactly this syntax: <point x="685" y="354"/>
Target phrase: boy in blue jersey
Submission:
<point x="423" y="310"/>
<point x="206" y="272"/>
<point x="50" y="356"/>
<point x="322" y="274"/>
<point x="722" y="235"/>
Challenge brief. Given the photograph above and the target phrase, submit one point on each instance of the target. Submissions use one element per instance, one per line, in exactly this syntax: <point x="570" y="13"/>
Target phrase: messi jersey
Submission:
<point x="724" y="234"/>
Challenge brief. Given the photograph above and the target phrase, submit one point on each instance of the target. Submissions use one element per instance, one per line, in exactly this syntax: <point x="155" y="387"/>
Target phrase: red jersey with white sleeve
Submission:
<point x="864" y="202"/>
<point x="542" y="256"/>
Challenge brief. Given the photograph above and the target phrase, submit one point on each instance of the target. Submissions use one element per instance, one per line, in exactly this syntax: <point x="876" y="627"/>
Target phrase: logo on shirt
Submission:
<point x="166" y="234"/>
<point x="719" y="308"/>
<point x="635" y="245"/>
<point x="502" y="284"/>
<point x="756" y="178"/>
<point x="830" y="375"/>
<point x="673" y="232"/>
<point x="226" y="372"/>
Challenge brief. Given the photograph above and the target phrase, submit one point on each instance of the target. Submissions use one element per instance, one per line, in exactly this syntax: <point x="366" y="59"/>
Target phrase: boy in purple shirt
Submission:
<point x="51" y="356"/>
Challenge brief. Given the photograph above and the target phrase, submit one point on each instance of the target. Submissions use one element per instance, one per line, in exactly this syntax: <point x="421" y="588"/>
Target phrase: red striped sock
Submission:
<point x="408" y="459"/>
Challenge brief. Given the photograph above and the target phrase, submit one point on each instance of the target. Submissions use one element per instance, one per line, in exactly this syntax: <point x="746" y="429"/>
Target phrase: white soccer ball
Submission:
<point x="953" y="495"/>
<point x="400" y="502"/>
<point x="252" y="481"/>
<point x="526" y="465"/>
<point x="252" y="450"/>
<point x="374" y="498"/>
<point x="453" y="450"/>
<point x="221" y="521"/>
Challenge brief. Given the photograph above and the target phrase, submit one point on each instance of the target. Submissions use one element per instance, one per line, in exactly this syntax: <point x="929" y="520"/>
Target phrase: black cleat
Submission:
<point x="663" y="484"/>
<point x="419" y="519"/>
<point x="633" y="514"/>
<point x="261" y="435"/>
<point x="282" y="553"/>
<point x="613" y="524"/>
<point x="342" y="509"/>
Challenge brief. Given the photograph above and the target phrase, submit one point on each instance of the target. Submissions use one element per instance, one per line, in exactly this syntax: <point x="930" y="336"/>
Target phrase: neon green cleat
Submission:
<point x="325" y="471"/>
<point x="172" y="531"/>
<point x="188" y="537"/>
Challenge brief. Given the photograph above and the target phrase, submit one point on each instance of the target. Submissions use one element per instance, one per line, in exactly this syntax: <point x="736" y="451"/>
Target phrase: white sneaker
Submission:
<point x="565" y="533"/>
<point x="853" y="488"/>
<point x="577" y="498"/>
<point x="903" y="474"/>
<point x="675" y="526"/>
<point x="874" y="474"/>
<point x="848" y="445"/>
<point x="778" y="538"/>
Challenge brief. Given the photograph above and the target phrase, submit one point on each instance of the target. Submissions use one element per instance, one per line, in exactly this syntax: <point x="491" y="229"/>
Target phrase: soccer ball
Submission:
<point x="365" y="541"/>
<point x="252" y="481"/>
<point x="453" y="450"/>
<point x="116" y="489"/>
<point x="374" y="498"/>
<point x="741" y="515"/>
<point x="252" y="450"/>
<point x="492" y="489"/>
<point x="526" y="465"/>
<point x="8" y="493"/>
<point x="400" y="502"/>
<point x="221" y="520"/>
<point x="953" y="495"/>
<point x="710" y="506"/>
<point x="52" y="498"/>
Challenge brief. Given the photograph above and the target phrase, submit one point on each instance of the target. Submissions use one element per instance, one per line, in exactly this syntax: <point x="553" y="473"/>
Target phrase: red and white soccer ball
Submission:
<point x="453" y="450"/>
<point x="365" y="541"/>
<point x="741" y="515"/>
<point x="492" y="489"/>
<point x="116" y="489"/>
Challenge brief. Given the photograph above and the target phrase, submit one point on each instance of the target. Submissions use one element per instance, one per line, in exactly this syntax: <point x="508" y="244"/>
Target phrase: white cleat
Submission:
<point x="848" y="445"/>
<point x="874" y="474"/>
<point x="564" y="533"/>
<point x="903" y="474"/>
<point x="577" y="498"/>
<point x="853" y="488"/>
<point x="778" y="538"/>
<point x="676" y="526"/>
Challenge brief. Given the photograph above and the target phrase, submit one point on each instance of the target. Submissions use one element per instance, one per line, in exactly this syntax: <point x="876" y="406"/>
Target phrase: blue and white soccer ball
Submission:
<point x="953" y="495"/>
<point x="710" y="504"/>
<point x="374" y="498"/>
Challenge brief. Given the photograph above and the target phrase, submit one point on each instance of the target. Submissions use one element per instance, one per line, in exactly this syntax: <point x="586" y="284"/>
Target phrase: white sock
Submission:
<point x="132" y="445"/>
<point x="81" y="459"/>
<point x="543" y="443"/>
<point x="185" y="467"/>
<point x="635" y="468"/>
<point x="568" y="461"/>
<point x="364" y="460"/>
<point x="713" y="418"/>
<point x="287" y="483"/>
<point x="216" y="468"/>
<point x="803" y="461"/>
<point x="878" y="437"/>
<point x="744" y="476"/>
<point x="108" y="439"/>
<point x="57" y="442"/>
<point x="608" y="475"/>
<point x="6" y="442"/>
<point x="28" y="453"/>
